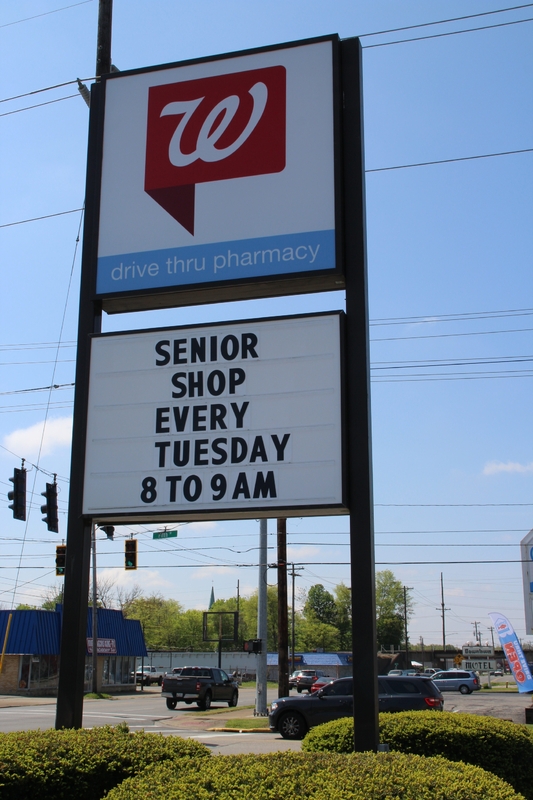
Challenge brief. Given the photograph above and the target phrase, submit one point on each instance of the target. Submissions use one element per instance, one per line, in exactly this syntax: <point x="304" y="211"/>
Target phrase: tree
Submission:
<point x="52" y="597"/>
<point x="190" y="633"/>
<point x="159" y="619"/>
<point x="390" y="631"/>
<point x="390" y="598"/>
<point x="126" y="596"/>
<point x="320" y="605"/>
<point x="248" y="618"/>
<point x="343" y="615"/>
<point x="105" y="585"/>
<point x="314" y="635"/>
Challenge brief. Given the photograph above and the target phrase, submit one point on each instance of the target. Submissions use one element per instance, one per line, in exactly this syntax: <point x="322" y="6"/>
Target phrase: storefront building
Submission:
<point x="30" y="644"/>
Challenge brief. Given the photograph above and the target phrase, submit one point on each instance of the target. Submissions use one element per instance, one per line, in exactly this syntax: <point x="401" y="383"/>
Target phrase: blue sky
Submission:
<point x="450" y="295"/>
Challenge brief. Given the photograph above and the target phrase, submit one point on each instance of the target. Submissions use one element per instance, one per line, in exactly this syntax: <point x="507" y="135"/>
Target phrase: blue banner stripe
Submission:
<point x="222" y="261"/>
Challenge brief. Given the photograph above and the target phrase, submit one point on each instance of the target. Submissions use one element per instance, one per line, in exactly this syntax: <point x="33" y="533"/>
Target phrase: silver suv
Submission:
<point x="457" y="680"/>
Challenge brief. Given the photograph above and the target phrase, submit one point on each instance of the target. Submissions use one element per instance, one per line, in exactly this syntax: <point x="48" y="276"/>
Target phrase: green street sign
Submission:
<point x="164" y="534"/>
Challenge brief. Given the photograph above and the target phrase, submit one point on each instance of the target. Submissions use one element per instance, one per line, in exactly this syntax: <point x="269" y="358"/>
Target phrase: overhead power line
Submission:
<point x="450" y="505"/>
<point x="450" y="335"/>
<point x="39" y="105"/>
<point x="466" y="316"/>
<point x="450" y="160"/>
<point x="429" y="319"/>
<point x="38" y="389"/>
<point x="46" y="89"/>
<point x="36" y="219"/>
<point x="448" y="33"/>
<point x="377" y="169"/>
<point x="438" y="362"/>
<point x="446" y="21"/>
<point x="45" y="14"/>
<point x="209" y="565"/>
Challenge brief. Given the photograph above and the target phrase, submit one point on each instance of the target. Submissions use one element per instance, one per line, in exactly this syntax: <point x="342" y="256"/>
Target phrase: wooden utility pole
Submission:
<point x="283" y="617"/>
<point x="293" y="611"/>
<point x="103" y="44"/>
<point x="443" y="614"/>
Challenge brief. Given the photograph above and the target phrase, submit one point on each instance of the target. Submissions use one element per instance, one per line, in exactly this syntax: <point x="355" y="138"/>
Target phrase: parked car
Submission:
<point x="149" y="675"/>
<point x="292" y="678"/>
<point x="305" y="678"/>
<point x="202" y="685"/>
<point x="498" y="673"/>
<point x="292" y="717"/>
<point x="457" y="680"/>
<point x="403" y="672"/>
<point x="319" y="684"/>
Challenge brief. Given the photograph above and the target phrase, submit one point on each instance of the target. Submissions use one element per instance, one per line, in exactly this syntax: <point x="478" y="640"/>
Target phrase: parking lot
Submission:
<point x="489" y="703"/>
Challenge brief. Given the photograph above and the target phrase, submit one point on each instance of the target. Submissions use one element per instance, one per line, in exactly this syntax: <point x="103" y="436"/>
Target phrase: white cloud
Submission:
<point x="25" y="442"/>
<point x="298" y="553"/>
<point x="207" y="572"/>
<point x="455" y="592"/>
<point x="424" y="321"/>
<point x="201" y="526"/>
<point x="494" y="467"/>
<point x="148" y="580"/>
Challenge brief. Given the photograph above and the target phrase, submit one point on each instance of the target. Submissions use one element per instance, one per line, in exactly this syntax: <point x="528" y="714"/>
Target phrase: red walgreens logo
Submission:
<point x="213" y="129"/>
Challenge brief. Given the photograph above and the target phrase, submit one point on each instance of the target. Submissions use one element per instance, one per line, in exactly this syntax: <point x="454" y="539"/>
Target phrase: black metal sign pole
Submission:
<point x="69" y="711"/>
<point x="73" y="633"/>
<point x="366" y="731"/>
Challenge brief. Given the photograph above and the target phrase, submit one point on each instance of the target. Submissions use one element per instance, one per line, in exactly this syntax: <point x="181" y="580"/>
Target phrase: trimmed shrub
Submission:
<point x="501" y="747"/>
<point x="279" y="776"/>
<point x="330" y="737"/>
<point x="85" y="764"/>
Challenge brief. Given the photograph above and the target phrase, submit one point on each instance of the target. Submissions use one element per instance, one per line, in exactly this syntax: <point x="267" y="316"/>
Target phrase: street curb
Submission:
<point x="239" y="730"/>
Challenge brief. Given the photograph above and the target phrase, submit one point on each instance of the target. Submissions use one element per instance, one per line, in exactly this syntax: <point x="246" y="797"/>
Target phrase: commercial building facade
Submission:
<point x="30" y="646"/>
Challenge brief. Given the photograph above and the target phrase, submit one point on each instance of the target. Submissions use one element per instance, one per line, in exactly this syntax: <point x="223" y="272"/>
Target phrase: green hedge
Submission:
<point x="82" y="764"/>
<point x="501" y="747"/>
<point x="289" y="776"/>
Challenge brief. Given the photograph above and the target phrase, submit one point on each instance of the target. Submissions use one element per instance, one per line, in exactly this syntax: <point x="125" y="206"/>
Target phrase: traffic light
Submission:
<point x="18" y="494"/>
<point x="109" y="531"/>
<point x="252" y="646"/>
<point x="130" y="554"/>
<point x="50" y="508"/>
<point x="61" y="557"/>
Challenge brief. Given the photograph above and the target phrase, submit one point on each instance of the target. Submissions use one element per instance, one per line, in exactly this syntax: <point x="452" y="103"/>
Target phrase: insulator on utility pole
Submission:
<point x="85" y="93"/>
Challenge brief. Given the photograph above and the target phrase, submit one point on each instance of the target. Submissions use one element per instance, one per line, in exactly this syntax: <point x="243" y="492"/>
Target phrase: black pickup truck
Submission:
<point x="202" y="685"/>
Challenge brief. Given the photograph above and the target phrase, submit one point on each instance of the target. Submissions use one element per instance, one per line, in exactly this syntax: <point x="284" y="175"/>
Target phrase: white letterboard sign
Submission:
<point x="232" y="420"/>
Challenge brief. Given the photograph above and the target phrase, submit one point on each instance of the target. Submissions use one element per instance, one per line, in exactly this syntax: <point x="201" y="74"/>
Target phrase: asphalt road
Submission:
<point x="147" y="711"/>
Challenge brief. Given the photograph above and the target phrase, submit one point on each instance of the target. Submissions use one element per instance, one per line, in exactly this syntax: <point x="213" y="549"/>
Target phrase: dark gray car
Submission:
<point x="293" y="716"/>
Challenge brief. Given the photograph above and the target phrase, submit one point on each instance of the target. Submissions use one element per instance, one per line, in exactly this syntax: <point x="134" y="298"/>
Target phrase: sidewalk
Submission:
<point x="13" y="701"/>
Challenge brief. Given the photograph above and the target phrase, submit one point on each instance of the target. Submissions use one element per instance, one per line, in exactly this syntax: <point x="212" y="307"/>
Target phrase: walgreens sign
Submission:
<point x="221" y="171"/>
<point x="213" y="129"/>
